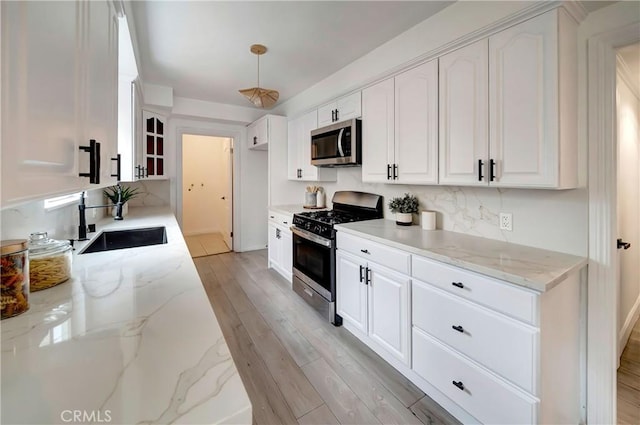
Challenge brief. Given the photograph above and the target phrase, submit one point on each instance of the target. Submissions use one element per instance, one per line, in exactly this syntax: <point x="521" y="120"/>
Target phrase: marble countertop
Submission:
<point x="291" y="209"/>
<point x="131" y="338"/>
<point x="525" y="266"/>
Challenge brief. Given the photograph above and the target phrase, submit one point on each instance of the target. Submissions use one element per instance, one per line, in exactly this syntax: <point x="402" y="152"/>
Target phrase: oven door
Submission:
<point x="314" y="262"/>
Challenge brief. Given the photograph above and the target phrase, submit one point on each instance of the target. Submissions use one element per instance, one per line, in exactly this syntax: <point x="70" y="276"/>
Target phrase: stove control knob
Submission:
<point x="318" y="228"/>
<point x="307" y="225"/>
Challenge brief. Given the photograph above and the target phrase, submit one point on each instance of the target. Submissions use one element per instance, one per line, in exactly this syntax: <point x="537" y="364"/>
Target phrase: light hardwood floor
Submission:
<point x="296" y="366"/>
<point x="629" y="380"/>
<point x="206" y="244"/>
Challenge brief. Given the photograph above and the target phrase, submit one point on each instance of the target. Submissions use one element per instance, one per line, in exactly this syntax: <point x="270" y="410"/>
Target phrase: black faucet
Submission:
<point x="82" y="227"/>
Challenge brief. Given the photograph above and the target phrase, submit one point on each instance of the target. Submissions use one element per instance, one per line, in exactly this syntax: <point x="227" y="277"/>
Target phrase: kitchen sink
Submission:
<point x="132" y="238"/>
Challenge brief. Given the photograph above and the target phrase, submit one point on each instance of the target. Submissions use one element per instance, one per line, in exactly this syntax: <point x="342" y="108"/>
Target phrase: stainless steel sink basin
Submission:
<point x="132" y="238"/>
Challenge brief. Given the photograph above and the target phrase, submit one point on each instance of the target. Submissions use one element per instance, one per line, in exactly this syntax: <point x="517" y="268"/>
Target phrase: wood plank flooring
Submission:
<point x="206" y="244"/>
<point x="297" y="367"/>
<point x="629" y="380"/>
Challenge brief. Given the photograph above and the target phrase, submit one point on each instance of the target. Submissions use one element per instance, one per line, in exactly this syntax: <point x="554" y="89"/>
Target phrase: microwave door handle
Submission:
<point x="340" y="142"/>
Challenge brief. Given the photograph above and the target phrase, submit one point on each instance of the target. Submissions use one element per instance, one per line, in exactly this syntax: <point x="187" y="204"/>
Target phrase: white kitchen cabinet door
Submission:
<point x="258" y="134"/>
<point x="274" y="246"/>
<point x="101" y="107"/>
<point x="464" y="116"/>
<point x="286" y="256"/>
<point x="351" y="290"/>
<point x="529" y="112"/>
<point x="299" y="150"/>
<point x="153" y="142"/>
<point x="378" y="132"/>
<point x="342" y="109"/>
<point x="416" y="125"/>
<point x="389" y="311"/>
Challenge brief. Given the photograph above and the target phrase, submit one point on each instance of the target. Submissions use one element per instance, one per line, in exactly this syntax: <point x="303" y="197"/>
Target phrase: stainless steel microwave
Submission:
<point x="337" y="145"/>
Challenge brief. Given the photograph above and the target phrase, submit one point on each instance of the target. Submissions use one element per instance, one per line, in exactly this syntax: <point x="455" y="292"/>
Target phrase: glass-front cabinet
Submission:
<point x="153" y="143"/>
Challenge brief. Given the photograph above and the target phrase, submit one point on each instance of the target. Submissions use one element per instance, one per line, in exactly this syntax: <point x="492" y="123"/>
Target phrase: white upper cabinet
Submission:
<point x="532" y="98"/>
<point x="416" y="125"/>
<point x="464" y="115"/>
<point x="59" y="74"/>
<point x="342" y="109"/>
<point x="400" y="128"/>
<point x="299" y="136"/>
<point x="258" y="134"/>
<point x="378" y="130"/>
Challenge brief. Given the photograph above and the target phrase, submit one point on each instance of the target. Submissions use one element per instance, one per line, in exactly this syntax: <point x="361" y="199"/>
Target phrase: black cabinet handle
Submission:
<point x="146" y="171"/>
<point x="458" y="284"/>
<point x="285" y="222"/>
<point x="271" y="216"/>
<point x="361" y="270"/>
<point x="337" y="115"/>
<point x="388" y="171"/>
<point x="368" y="276"/>
<point x="333" y="115"/>
<point x="94" y="161"/>
<point x="492" y="171"/>
<point x="255" y="140"/>
<point x="458" y="384"/>
<point x="480" y="176"/>
<point x="118" y="174"/>
<point x="395" y="171"/>
<point x="458" y="328"/>
<point x="365" y="251"/>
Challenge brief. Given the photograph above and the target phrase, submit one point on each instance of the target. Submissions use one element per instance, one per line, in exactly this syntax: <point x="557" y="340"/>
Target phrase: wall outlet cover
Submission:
<point x="506" y="221"/>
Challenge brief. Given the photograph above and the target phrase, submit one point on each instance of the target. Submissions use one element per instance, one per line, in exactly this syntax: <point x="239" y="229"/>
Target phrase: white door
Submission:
<point x="628" y="209"/>
<point x="351" y="290"/>
<point x="227" y="200"/>
<point x="378" y="131"/>
<point x="523" y="99"/>
<point x="389" y="313"/>
<point x="416" y="125"/>
<point x="464" y="116"/>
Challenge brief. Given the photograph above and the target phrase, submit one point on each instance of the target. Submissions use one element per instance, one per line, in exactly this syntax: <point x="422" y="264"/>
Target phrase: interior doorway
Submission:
<point x="628" y="231"/>
<point x="207" y="194"/>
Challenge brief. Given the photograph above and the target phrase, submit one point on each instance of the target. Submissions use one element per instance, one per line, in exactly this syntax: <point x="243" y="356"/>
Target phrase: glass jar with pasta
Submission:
<point x="49" y="261"/>
<point x="14" y="279"/>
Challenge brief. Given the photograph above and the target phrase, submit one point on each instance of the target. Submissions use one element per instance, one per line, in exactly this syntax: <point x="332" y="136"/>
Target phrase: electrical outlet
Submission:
<point x="506" y="221"/>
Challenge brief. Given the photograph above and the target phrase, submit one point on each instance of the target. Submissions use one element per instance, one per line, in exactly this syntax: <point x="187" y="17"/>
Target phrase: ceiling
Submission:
<point x="201" y="48"/>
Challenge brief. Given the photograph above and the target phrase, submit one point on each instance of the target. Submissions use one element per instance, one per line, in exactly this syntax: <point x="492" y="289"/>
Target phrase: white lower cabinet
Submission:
<point x="374" y="300"/>
<point x="280" y="244"/>
<point x="491" y="351"/>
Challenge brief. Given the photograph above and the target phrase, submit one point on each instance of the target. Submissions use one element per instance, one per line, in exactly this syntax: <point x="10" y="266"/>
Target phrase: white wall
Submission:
<point x="204" y="182"/>
<point x="555" y="220"/>
<point x="628" y="104"/>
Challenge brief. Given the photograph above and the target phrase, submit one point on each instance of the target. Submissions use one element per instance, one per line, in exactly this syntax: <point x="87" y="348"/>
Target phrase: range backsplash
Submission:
<point x="549" y="219"/>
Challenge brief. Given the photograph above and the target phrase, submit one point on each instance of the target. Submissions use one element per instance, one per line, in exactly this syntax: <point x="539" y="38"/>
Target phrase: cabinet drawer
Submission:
<point x="392" y="258"/>
<point x="483" y="395"/>
<point x="501" y="344"/>
<point x="501" y="296"/>
<point x="281" y="218"/>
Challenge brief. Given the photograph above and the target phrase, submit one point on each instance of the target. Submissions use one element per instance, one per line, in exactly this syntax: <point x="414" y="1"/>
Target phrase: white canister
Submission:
<point x="429" y="220"/>
<point x="320" y="199"/>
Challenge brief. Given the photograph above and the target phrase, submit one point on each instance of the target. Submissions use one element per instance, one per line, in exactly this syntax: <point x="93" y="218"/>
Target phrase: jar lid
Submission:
<point x="41" y="245"/>
<point x="11" y="246"/>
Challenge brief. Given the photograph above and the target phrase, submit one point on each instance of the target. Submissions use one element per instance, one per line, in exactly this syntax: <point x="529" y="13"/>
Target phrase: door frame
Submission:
<point x="235" y="136"/>
<point x="602" y="333"/>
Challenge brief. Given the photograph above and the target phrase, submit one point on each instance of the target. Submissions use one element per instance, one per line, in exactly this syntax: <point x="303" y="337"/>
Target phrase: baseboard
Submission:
<point x="625" y="332"/>
<point x="251" y="248"/>
<point x="202" y="232"/>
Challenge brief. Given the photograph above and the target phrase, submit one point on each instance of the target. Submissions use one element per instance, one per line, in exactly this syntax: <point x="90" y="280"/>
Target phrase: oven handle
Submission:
<point x="312" y="237"/>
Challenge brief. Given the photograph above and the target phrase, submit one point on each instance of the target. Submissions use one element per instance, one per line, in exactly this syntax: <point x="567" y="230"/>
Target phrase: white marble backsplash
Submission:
<point x="152" y="193"/>
<point x="548" y="219"/>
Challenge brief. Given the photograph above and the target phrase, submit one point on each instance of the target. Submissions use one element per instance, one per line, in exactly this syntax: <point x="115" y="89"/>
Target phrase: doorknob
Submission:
<point x="622" y="244"/>
<point x="223" y="198"/>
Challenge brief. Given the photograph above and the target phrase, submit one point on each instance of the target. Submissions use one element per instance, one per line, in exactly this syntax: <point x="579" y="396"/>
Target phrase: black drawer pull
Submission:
<point x="361" y="276"/>
<point x="492" y="170"/>
<point x="458" y="328"/>
<point x="388" y="171"/>
<point x="480" y="176"/>
<point x="458" y="384"/>
<point x="458" y="284"/>
<point x="365" y="251"/>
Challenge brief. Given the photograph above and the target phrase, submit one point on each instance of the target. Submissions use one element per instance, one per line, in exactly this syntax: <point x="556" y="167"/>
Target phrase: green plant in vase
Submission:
<point x="404" y="207"/>
<point x="125" y="194"/>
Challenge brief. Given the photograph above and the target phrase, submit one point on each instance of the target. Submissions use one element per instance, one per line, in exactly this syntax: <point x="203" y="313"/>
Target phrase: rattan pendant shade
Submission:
<point x="262" y="98"/>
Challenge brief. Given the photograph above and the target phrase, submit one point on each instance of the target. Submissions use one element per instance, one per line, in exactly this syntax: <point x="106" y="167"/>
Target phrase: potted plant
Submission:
<point x="126" y="193"/>
<point x="404" y="207"/>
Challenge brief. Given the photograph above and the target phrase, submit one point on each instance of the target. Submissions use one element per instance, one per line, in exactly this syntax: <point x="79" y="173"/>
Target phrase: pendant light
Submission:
<point x="262" y="98"/>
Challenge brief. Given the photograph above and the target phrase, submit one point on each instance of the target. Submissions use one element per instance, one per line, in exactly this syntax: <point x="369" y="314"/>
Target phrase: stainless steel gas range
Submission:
<point x="314" y="247"/>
